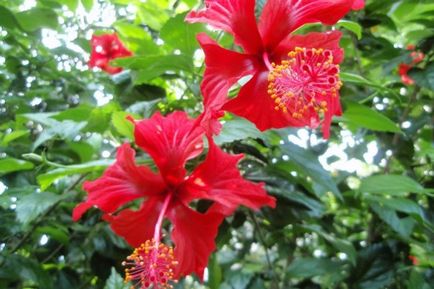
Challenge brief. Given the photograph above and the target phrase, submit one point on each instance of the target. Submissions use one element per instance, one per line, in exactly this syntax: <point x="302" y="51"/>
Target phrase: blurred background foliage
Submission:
<point x="356" y="211"/>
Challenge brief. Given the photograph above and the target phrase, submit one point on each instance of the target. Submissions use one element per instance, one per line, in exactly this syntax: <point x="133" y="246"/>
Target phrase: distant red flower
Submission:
<point x="295" y="78"/>
<point x="403" y="68"/>
<point x="403" y="71"/>
<point x="105" y="48"/>
<point x="168" y="193"/>
<point x="413" y="260"/>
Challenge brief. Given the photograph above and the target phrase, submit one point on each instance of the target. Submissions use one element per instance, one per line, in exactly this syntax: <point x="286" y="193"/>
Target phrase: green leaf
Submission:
<point x="416" y="281"/>
<point x="9" y="165"/>
<point x="17" y="267"/>
<point x="7" y="18"/>
<point x="65" y="130"/>
<point x="43" y="118"/>
<point x="363" y="116"/>
<point x="71" y="4"/>
<point x="397" y="204"/>
<point x="308" y="164"/>
<point x="115" y="281"/>
<point x="87" y="4"/>
<point x="236" y="279"/>
<point x="122" y="125"/>
<point x="76" y="114"/>
<point x="10" y="137"/>
<point x="352" y="26"/>
<point x="316" y="207"/>
<point x="404" y="227"/>
<point x="341" y="245"/>
<point x="45" y="180"/>
<point x="309" y="267"/>
<point x="36" y="18"/>
<point x="58" y="233"/>
<point x="360" y="80"/>
<point x="153" y="13"/>
<point x="181" y="35"/>
<point x="31" y="206"/>
<point x="99" y="120"/>
<point x="390" y="185"/>
<point x="83" y="149"/>
<point x="150" y="67"/>
<point x="137" y="38"/>
<point x="424" y="77"/>
<point x="237" y="129"/>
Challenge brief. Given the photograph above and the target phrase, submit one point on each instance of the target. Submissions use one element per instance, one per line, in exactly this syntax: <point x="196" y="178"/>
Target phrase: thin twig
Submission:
<point x="52" y="254"/>
<point x="267" y="256"/>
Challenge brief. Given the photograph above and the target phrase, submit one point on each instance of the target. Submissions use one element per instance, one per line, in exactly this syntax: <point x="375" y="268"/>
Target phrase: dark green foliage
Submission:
<point x="350" y="211"/>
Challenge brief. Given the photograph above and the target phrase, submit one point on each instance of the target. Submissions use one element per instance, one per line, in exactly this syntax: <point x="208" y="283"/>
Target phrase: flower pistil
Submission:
<point x="152" y="264"/>
<point x="305" y="82"/>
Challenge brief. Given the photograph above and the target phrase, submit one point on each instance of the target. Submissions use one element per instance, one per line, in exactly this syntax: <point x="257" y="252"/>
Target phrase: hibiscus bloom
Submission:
<point x="403" y="68"/>
<point x="105" y="48"/>
<point x="413" y="260"/>
<point x="168" y="194"/>
<point x="294" y="78"/>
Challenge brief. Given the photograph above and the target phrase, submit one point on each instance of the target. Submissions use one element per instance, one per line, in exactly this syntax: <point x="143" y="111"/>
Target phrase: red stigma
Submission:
<point x="303" y="84"/>
<point x="151" y="265"/>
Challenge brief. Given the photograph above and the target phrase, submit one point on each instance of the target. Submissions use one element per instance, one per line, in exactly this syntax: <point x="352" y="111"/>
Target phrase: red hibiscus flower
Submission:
<point x="105" y="48"/>
<point x="294" y="78"/>
<point x="403" y="68"/>
<point x="413" y="260"/>
<point x="168" y="194"/>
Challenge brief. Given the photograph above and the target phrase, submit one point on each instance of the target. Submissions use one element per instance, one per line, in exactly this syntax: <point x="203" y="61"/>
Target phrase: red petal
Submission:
<point x="170" y="141"/>
<point x="236" y="17"/>
<point x="111" y="69"/>
<point x="219" y="179"/>
<point x="403" y="71"/>
<point x="223" y="69"/>
<point x="358" y="4"/>
<point x="105" y="48"/>
<point x="137" y="226"/>
<point x="193" y="235"/>
<point x="254" y="104"/>
<point x="326" y="40"/>
<point x="121" y="183"/>
<point x="334" y="108"/>
<point x="281" y="17"/>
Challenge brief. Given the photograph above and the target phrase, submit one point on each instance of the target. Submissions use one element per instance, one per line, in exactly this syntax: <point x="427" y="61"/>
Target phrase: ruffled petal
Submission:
<point x="121" y="183"/>
<point x="223" y="69"/>
<point x="136" y="226"/>
<point x="236" y="17"/>
<point x="219" y="179"/>
<point x="325" y="40"/>
<point x="281" y="17"/>
<point x="254" y="104"/>
<point x="193" y="234"/>
<point x="170" y="141"/>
